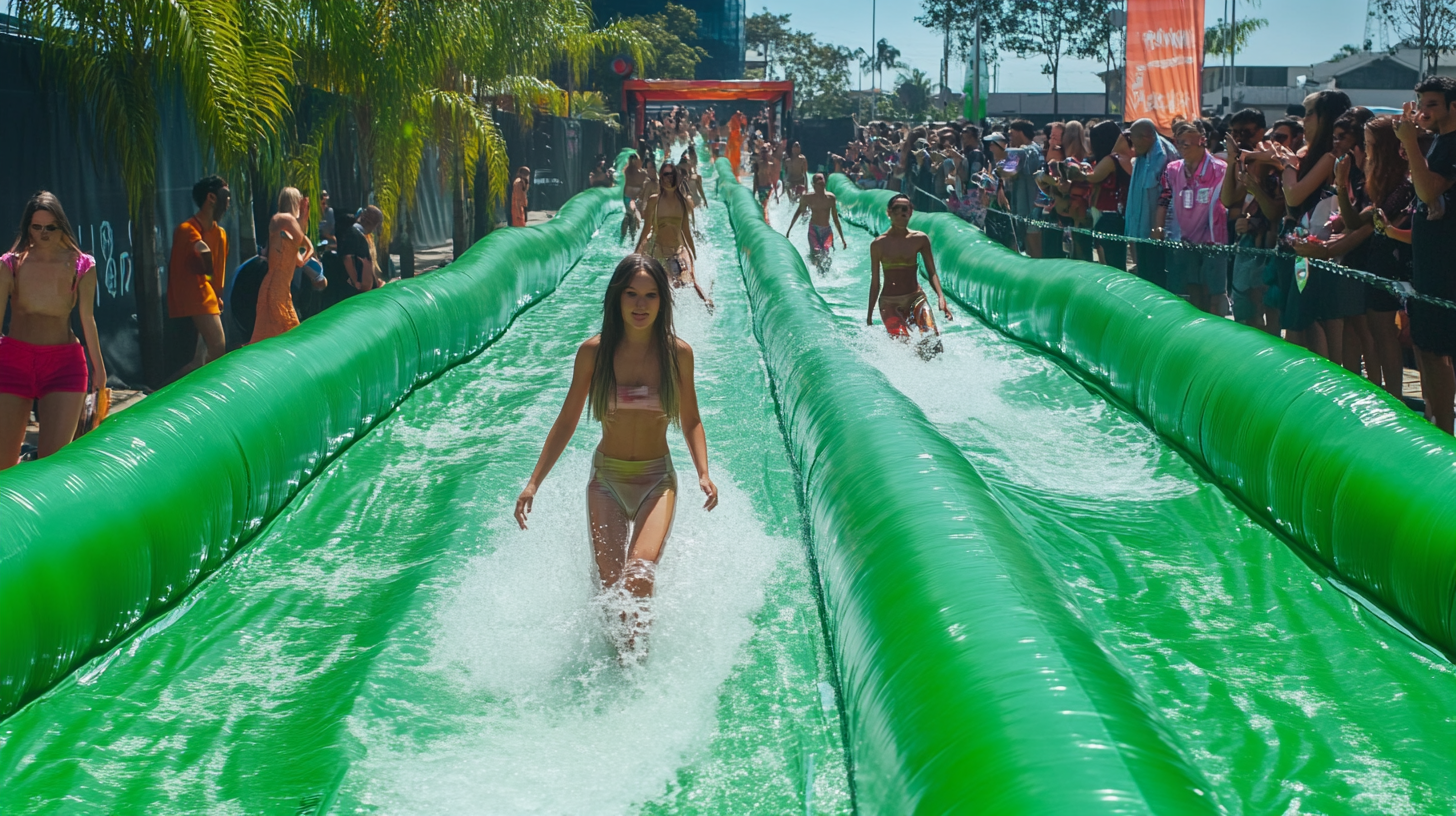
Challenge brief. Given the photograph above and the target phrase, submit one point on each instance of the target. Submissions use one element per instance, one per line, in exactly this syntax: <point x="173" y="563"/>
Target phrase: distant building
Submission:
<point x="721" y="25"/>
<point x="1373" y="79"/>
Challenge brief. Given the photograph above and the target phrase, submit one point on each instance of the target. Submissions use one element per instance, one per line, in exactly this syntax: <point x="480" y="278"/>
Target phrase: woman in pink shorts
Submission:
<point x="43" y="277"/>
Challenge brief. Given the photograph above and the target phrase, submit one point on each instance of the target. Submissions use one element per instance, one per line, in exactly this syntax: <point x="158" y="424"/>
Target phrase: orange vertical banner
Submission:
<point x="1164" y="60"/>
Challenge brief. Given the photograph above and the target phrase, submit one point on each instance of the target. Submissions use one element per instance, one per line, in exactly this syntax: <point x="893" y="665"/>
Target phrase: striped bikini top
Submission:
<point x="637" y="398"/>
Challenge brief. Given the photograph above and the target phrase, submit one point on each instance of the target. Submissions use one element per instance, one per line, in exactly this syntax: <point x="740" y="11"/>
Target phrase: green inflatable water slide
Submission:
<point x="1104" y="555"/>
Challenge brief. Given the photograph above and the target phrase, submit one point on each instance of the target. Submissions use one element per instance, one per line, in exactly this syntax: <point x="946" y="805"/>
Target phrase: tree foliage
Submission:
<point x="961" y="15"/>
<point x="1217" y="41"/>
<point x="1054" y="30"/>
<point x="914" y="91"/>
<point x="820" y="73"/>
<point x="267" y="81"/>
<point x="670" y="34"/>
<point x="1427" y="25"/>
<point x="768" y="34"/>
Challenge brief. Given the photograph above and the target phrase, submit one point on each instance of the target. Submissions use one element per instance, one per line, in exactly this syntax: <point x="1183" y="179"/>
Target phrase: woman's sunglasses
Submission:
<point x="1281" y="138"/>
<point x="46" y="227"/>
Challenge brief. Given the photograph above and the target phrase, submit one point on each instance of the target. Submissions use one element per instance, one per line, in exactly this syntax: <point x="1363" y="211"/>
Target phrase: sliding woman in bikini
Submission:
<point x="637" y="376"/>
<point x="902" y="302"/>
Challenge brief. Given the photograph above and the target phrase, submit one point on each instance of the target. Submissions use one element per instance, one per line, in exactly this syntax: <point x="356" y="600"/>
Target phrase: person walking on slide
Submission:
<point x="902" y="302"/>
<point x="637" y="378"/>
<point x="665" y="232"/>
<point x="821" y="206"/>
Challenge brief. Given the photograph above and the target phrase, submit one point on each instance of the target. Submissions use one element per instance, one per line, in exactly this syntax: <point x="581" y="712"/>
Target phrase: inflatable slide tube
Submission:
<point x="119" y="525"/>
<point x="1336" y="464"/>
<point x="971" y="683"/>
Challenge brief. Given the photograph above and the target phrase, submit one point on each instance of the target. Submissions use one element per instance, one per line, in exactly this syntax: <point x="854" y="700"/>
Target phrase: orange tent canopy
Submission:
<point x="636" y="93"/>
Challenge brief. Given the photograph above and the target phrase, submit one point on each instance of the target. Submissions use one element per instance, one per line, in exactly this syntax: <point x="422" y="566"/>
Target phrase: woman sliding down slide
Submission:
<point x="638" y="378"/>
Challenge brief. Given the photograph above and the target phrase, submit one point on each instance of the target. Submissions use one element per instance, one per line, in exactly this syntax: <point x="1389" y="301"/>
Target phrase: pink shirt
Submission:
<point x="1196" y="214"/>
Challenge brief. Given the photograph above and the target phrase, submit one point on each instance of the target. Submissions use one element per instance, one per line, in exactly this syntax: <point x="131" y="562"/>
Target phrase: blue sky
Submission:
<point x="1322" y="26"/>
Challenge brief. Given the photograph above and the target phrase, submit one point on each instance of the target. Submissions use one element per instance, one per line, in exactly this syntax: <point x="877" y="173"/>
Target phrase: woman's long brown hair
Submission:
<point x="1384" y="168"/>
<point x="44" y="200"/>
<point x="603" y="395"/>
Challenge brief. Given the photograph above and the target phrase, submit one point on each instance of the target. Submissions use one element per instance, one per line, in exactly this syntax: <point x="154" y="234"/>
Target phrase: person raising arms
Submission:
<point x="43" y="278"/>
<point x="902" y="301"/>
<point x="637" y="378"/>
<point x="1433" y="265"/>
<point x="665" y="235"/>
<point x="822" y="205"/>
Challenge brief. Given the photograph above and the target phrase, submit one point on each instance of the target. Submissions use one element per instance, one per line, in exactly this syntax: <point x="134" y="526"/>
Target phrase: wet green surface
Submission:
<point x="391" y="644"/>
<point x="1289" y="696"/>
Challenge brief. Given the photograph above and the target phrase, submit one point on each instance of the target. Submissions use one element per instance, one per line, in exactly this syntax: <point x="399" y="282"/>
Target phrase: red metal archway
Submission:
<point x="636" y="93"/>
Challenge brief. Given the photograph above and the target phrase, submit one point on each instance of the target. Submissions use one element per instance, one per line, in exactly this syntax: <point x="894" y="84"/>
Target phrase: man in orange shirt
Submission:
<point x="196" y="271"/>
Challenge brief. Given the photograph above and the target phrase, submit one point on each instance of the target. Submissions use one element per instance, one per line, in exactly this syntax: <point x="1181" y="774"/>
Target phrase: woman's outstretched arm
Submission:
<point x="564" y="426"/>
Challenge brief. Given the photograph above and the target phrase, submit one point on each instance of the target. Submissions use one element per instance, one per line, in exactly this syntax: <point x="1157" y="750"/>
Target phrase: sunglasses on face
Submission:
<point x="44" y="227"/>
<point x="1281" y="138"/>
<point x="899" y="208"/>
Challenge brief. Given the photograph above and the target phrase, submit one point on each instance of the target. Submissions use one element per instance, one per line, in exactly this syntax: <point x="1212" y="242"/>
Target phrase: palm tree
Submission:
<point x="115" y="58"/>
<point x="913" y="90"/>
<point x="415" y="72"/>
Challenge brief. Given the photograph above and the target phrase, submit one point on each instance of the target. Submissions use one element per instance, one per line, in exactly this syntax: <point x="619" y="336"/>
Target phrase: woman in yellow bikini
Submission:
<point x="902" y="302"/>
<point x="663" y="235"/>
<point x="637" y="376"/>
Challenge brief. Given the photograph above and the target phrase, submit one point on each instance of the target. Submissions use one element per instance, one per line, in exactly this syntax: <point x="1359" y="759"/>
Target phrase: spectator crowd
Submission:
<point x="1327" y="227"/>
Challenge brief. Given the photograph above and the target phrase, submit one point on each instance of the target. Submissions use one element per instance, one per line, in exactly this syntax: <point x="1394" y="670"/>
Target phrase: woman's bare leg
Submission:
<point x="14" y="415"/>
<point x="639" y="573"/>
<point x="59" y="413"/>
<point x="1386" y="337"/>
<point x="608" y="526"/>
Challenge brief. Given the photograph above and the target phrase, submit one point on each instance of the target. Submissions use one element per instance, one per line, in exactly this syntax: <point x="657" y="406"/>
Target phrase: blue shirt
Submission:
<point x="1145" y="187"/>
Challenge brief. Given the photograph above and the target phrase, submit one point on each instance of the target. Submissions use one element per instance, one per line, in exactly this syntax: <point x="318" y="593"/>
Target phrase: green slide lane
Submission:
<point x="1288" y="695"/>
<point x="390" y="643"/>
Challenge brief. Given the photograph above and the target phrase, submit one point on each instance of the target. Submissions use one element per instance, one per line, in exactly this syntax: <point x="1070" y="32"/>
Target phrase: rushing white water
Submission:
<point x="508" y="697"/>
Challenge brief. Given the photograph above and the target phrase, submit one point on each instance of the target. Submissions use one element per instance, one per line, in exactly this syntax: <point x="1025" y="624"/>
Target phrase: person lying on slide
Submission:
<point x="902" y="302"/>
<point x="821" y="206"/>
<point x="637" y="376"/>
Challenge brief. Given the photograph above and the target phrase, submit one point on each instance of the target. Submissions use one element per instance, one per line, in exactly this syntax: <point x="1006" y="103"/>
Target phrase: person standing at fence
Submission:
<point x="1022" y="163"/>
<point x="1151" y="153"/>
<point x="197" y="270"/>
<point x="1433" y="235"/>
<point x="519" y="188"/>
<point x="1248" y="193"/>
<point x="1391" y="197"/>
<point x="288" y="249"/>
<point x="43" y="278"/>
<point x="1111" y="174"/>
<point x="1308" y="314"/>
<point x="1191" y="186"/>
